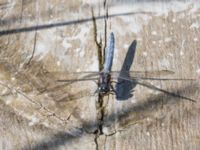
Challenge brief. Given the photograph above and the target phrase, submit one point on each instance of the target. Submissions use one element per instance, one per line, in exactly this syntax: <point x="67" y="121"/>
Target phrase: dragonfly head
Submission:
<point x="104" y="89"/>
<point x="104" y="83"/>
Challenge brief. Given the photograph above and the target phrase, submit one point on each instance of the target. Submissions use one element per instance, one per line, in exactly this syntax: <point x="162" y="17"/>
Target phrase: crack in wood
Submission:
<point x="105" y="142"/>
<point x="34" y="47"/>
<point x="35" y="42"/>
<point x="105" y="34"/>
<point x="98" y="44"/>
<point x="101" y="58"/>
<point x="105" y="28"/>
<point x="22" y="9"/>
<point x="51" y="113"/>
<point x="96" y="140"/>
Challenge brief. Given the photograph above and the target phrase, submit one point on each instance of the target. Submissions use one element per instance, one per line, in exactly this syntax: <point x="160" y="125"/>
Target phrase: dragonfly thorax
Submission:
<point x="104" y="83"/>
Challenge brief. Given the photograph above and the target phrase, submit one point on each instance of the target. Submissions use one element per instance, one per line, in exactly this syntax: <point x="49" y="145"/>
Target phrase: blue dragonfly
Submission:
<point x="105" y="78"/>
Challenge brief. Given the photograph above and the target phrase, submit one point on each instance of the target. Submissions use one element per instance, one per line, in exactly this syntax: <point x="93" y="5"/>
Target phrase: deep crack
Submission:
<point x="99" y="102"/>
<point x="34" y="47"/>
<point x="101" y="58"/>
<point x="96" y="139"/>
<point x="98" y="43"/>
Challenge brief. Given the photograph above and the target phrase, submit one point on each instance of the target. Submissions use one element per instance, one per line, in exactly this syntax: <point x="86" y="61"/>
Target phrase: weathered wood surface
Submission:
<point x="41" y="37"/>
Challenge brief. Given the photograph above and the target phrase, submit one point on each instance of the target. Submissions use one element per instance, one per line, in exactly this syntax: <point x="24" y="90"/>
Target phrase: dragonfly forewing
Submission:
<point x="72" y="76"/>
<point x="62" y="96"/>
<point x="129" y="75"/>
<point x="94" y="75"/>
<point x="137" y="81"/>
<point x="150" y="86"/>
<point x="148" y="75"/>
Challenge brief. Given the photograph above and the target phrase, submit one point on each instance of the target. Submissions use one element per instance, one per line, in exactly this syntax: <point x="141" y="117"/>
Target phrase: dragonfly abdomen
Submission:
<point x="109" y="53"/>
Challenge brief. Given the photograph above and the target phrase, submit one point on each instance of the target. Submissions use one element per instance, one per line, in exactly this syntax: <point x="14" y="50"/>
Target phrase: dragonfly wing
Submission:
<point x="143" y="74"/>
<point x="61" y="96"/>
<point x="148" y="85"/>
<point x="147" y="75"/>
<point x="72" y="76"/>
<point x="62" y="91"/>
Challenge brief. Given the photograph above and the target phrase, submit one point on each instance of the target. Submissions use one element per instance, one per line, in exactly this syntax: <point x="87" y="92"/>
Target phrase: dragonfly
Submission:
<point x="105" y="78"/>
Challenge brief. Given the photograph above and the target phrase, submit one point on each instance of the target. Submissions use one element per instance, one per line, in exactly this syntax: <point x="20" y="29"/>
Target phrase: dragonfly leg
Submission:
<point x="113" y="91"/>
<point x="95" y="82"/>
<point x="114" y="82"/>
<point x="96" y="91"/>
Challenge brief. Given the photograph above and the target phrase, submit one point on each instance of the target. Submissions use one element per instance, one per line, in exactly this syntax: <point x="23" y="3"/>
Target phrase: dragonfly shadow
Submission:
<point x="124" y="88"/>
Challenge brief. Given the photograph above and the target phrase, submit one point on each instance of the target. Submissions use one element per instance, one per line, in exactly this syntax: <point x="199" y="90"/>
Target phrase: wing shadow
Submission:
<point x="124" y="88"/>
